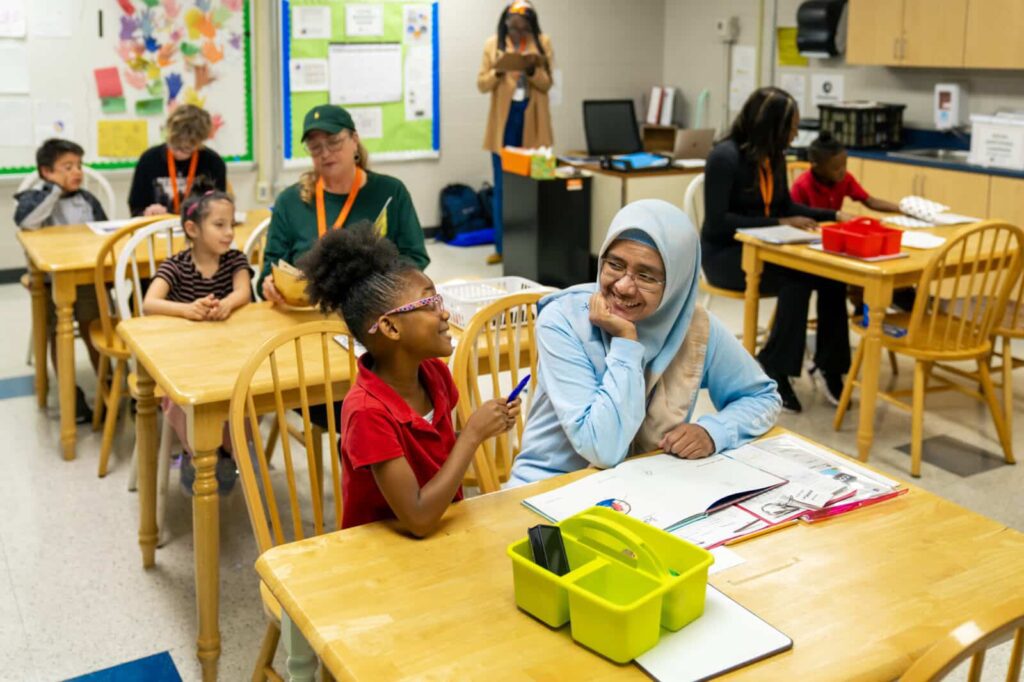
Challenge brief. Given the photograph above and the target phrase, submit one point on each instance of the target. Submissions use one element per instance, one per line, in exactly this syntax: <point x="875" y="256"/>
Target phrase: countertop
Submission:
<point x="932" y="139"/>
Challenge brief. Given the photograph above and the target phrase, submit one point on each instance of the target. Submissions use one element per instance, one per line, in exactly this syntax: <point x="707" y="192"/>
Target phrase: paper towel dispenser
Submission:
<point x="821" y="28"/>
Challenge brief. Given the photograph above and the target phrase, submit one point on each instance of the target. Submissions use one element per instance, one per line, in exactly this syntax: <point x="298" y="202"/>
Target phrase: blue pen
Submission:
<point x="519" y="389"/>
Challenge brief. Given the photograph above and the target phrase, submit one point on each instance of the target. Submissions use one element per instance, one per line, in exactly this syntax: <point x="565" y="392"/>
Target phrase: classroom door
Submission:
<point x="874" y="30"/>
<point x="933" y="32"/>
<point x="993" y="38"/>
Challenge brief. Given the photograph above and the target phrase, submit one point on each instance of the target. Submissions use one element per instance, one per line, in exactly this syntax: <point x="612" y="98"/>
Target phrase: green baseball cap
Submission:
<point x="329" y="118"/>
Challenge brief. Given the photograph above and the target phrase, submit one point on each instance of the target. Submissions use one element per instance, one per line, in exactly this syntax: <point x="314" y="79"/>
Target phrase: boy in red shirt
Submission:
<point x="828" y="184"/>
<point x="400" y="454"/>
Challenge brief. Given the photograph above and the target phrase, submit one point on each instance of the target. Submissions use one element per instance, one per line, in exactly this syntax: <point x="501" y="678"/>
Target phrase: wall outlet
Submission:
<point x="728" y="29"/>
<point x="262" y="191"/>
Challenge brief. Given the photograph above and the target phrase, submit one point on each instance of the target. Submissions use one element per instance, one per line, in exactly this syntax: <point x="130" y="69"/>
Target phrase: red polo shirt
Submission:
<point x="810" y="191"/>
<point x="377" y="425"/>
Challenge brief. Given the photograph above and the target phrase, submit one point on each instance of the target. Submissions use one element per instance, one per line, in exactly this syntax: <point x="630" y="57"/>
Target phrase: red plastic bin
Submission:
<point x="862" y="237"/>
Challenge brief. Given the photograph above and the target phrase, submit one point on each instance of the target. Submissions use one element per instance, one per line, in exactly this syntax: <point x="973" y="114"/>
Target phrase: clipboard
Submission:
<point x="511" y="61"/>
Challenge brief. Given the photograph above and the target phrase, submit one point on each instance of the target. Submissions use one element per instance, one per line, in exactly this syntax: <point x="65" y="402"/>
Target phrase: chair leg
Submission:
<point x="103" y="372"/>
<point x="133" y="470"/>
<point x="851" y="376"/>
<point x="163" y="475"/>
<point x="113" y="409"/>
<point x="893" y="365"/>
<point x="997" y="413"/>
<point x="275" y="431"/>
<point x="267" y="650"/>
<point x="921" y="372"/>
<point x="28" y="356"/>
<point x="1008" y="382"/>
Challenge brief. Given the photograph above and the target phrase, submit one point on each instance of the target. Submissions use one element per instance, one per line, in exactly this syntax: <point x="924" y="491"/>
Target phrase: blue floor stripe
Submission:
<point x="17" y="387"/>
<point x="155" y="668"/>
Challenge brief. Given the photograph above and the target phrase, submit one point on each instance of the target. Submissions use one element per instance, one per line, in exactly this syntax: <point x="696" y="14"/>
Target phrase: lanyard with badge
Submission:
<point x="767" y="185"/>
<point x="172" y="173"/>
<point x="321" y="218"/>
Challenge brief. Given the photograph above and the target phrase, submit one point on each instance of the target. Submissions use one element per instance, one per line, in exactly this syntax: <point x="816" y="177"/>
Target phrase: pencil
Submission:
<point x="759" y="533"/>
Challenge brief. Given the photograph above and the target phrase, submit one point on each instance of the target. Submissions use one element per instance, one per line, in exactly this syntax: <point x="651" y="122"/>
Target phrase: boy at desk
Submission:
<point x="828" y="183"/>
<point x="58" y="198"/>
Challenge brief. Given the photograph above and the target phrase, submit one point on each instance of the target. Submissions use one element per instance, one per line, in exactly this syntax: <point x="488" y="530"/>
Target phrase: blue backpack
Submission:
<point x="460" y="211"/>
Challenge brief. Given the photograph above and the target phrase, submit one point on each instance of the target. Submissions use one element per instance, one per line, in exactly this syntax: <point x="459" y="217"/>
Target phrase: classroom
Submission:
<point x="512" y="339"/>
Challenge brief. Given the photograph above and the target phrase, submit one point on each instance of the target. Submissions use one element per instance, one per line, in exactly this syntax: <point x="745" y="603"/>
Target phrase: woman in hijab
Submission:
<point x="622" y="360"/>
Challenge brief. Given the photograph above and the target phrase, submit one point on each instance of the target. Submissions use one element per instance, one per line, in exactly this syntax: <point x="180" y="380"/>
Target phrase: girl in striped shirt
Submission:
<point x="205" y="282"/>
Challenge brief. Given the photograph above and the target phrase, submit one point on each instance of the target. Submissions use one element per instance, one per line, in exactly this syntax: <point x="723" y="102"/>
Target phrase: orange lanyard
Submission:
<point x="321" y="219"/>
<point x="767" y="185"/>
<point x="172" y="172"/>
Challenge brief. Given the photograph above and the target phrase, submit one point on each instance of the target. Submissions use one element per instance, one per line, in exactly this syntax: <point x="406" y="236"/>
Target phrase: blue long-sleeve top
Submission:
<point x="588" y="412"/>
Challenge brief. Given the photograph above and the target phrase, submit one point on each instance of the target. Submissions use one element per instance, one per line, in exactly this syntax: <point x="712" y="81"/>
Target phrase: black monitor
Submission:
<point x="610" y="126"/>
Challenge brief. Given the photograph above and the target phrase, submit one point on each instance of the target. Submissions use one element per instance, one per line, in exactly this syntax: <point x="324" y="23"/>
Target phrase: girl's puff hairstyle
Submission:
<point x="198" y="205"/>
<point x="525" y="10"/>
<point x="824" y="147"/>
<point x="357" y="273"/>
<point x="762" y="128"/>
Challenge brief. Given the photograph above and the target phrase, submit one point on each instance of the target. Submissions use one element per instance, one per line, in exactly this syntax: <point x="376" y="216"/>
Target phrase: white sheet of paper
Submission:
<point x="826" y="88"/>
<point x="906" y="221"/>
<point x="309" y="75"/>
<point x="14" y="79"/>
<point x="369" y="121"/>
<point x="311" y="22"/>
<point x="742" y="76"/>
<point x="15" y="122"/>
<point x="12" y="19"/>
<point x="365" y="73"/>
<point x="105" y="227"/>
<point x="50" y="18"/>
<point x="725" y="558"/>
<point x="725" y="637"/>
<point x="364" y="20"/>
<point x="54" y="118"/>
<point x="419" y="83"/>
<point x="726" y="524"/>
<point x="922" y="240"/>
<point x="954" y="219"/>
<point x="796" y="85"/>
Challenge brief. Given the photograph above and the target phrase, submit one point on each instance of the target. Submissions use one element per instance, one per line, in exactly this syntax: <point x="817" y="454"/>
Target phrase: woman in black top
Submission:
<point x="745" y="185"/>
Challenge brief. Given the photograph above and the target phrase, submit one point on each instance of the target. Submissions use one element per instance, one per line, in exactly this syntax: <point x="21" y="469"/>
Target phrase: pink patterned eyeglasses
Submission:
<point x="436" y="302"/>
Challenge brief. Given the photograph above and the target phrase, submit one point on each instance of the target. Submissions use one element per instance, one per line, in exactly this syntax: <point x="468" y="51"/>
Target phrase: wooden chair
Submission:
<point x="794" y="169"/>
<point x="255" y="250"/>
<point x="971" y="640"/>
<point x="693" y="205"/>
<point x="940" y="332"/>
<point x="112" y="351"/>
<point x="307" y="347"/>
<point x="499" y="339"/>
<point x="93" y="181"/>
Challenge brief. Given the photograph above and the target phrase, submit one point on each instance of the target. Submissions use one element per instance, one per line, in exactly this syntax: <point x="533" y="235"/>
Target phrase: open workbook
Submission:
<point x="661" y="490"/>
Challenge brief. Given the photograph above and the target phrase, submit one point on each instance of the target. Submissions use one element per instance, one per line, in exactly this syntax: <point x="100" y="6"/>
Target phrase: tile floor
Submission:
<point x="73" y="595"/>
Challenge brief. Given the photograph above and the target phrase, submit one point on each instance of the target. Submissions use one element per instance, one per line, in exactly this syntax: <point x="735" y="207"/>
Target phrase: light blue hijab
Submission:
<point x="677" y="242"/>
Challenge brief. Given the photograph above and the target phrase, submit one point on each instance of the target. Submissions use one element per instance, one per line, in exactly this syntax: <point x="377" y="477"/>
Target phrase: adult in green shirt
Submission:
<point x="339" y="172"/>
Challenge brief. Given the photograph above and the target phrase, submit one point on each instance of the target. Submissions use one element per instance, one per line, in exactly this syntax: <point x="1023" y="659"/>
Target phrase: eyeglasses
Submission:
<point x="435" y="302"/>
<point x="616" y="270"/>
<point x="332" y="144"/>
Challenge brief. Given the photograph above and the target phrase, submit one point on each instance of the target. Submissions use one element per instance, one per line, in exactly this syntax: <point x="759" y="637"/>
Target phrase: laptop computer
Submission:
<point x="610" y="127"/>
<point x="694" y="143"/>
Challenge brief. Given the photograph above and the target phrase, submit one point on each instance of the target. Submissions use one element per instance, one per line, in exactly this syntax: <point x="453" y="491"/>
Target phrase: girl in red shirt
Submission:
<point x="400" y="454"/>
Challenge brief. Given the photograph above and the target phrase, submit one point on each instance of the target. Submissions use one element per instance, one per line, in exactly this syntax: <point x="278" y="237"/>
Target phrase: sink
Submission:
<point x="947" y="155"/>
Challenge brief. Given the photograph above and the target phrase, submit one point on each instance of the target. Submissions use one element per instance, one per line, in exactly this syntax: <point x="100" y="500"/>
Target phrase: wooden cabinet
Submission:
<point x="1006" y="200"/>
<point x="933" y="32"/>
<point x="994" y="38"/>
<point x="964" y="193"/>
<point x="874" y="30"/>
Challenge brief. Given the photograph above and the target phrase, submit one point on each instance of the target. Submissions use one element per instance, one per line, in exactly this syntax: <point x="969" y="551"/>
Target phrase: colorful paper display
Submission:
<point x="113" y="105"/>
<point x="125" y="139"/>
<point x="149" y="107"/>
<point x="108" y="82"/>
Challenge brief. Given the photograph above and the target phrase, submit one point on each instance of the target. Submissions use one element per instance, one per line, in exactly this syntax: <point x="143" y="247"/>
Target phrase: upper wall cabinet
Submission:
<point x="995" y="34"/>
<point x="874" y="30"/>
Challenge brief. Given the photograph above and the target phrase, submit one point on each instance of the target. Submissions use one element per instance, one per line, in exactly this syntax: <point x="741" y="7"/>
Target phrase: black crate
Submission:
<point x="864" y="125"/>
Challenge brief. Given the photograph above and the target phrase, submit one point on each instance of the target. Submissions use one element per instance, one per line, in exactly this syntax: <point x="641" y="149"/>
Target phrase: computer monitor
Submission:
<point x="610" y="126"/>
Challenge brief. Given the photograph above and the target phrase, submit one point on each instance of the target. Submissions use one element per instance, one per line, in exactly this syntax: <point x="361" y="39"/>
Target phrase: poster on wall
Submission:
<point x="826" y="88"/>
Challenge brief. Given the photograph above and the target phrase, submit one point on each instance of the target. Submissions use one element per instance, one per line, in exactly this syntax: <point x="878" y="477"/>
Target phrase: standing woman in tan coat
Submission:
<point x="520" y="115"/>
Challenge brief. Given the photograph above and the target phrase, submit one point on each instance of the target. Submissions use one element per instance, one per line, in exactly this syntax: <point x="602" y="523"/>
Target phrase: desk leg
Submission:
<point x="39" y="334"/>
<point x="64" y="297"/>
<point x="752" y="266"/>
<point x="204" y="432"/>
<point x="877" y="296"/>
<point x="301" y="661"/>
<point x="145" y="445"/>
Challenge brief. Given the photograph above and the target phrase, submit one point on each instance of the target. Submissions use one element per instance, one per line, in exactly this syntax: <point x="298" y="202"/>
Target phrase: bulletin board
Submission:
<point x="106" y="73"/>
<point x="376" y="58"/>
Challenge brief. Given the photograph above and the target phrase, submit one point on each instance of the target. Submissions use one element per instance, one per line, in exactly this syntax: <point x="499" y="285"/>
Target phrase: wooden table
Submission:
<point x="197" y="365"/>
<point x="861" y="595"/>
<point x="67" y="253"/>
<point x="878" y="279"/>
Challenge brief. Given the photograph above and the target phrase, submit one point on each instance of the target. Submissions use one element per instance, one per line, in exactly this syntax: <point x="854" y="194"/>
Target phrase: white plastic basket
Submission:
<point x="464" y="299"/>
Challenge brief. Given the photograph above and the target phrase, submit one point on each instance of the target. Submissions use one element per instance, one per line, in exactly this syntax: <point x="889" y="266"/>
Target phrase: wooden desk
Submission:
<point x="861" y="595"/>
<point x="67" y="253"/>
<point x="879" y="280"/>
<point x="197" y="364"/>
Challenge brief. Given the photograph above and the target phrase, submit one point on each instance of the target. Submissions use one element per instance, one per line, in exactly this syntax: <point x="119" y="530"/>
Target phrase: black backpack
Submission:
<point x="460" y="211"/>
